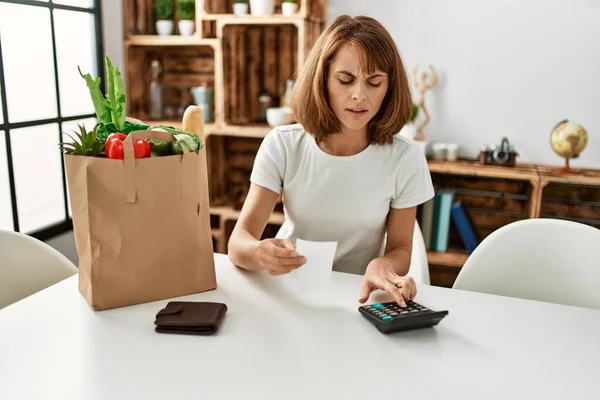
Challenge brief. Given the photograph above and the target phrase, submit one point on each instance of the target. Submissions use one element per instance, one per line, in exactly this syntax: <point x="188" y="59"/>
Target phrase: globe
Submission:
<point x="568" y="139"/>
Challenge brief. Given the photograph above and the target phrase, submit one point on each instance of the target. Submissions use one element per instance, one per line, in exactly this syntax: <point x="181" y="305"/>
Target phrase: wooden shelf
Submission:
<point x="251" y="131"/>
<point x="229" y="19"/>
<point x="576" y="176"/>
<point x="474" y="168"/>
<point x="229" y="213"/>
<point x="171" y="40"/>
<point x="209" y="129"/>
<point x="447" y="259"/>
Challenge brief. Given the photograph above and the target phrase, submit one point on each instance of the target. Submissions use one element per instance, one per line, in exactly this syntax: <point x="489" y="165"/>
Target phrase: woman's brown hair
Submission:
<point x="379" y="51"/>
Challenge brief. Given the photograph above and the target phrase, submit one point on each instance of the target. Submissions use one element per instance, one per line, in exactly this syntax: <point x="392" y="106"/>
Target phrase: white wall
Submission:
<point x="507" y="67"/>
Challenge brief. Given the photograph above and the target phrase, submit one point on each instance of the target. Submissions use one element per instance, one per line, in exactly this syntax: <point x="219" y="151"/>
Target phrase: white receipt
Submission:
<point x="315" y="274"/>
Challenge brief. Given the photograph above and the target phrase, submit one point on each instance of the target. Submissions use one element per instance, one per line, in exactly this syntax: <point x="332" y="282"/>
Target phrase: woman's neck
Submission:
<point x="346" y="143"/>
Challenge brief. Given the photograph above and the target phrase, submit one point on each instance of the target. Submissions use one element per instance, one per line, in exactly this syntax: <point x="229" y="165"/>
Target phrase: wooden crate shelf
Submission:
<point x="227" y="216"/>
<point x="256" y="59"/>
<point x="173" y="40"/>
<point x="231" y="19"/>
<point x="452" y="259"/>
<point x="497" y="196"/>
<point x="223" y="9"/>
<point x="183" y="67"/>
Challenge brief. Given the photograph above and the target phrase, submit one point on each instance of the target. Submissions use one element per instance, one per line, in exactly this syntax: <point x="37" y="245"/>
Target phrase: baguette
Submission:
<point x="193" y="121"/>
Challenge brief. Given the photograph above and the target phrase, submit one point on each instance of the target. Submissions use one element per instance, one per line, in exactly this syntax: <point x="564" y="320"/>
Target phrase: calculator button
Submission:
<point x="378" y="305"/>
<point x="403" y="312"/>
<point x="414" y="311"/>
<point x="386" y="318"/>
<point x="393" y="313"/>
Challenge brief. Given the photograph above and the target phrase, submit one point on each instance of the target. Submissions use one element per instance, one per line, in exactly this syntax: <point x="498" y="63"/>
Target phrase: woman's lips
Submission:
<point x="356" y="112"/>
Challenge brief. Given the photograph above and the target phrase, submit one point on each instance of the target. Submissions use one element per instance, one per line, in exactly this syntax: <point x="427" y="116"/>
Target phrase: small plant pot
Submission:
<point x="240" y="9"/>
<point x="288" y="8"/>
<point x="262" y="8"/>
<point x="186" y="27"/>
<point x="164" y="27"/>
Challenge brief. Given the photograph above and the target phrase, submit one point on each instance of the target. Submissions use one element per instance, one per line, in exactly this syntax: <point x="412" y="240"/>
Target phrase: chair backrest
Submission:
<point x="28" y="265"/>
<point x="542" y="259"/>
<point x="419" y="266"/>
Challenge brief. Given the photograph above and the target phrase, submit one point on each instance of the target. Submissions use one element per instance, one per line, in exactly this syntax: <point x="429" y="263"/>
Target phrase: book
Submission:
<point x="466" y="228"/>
<point x="441" y="220"/>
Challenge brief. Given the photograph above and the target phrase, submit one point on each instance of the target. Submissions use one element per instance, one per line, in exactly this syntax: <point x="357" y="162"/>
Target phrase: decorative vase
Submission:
<point x="262" y="8"/>
<point x="240" y="9"/>
<point x="186" y="27"/>
<point x="288" y="8"/>
<point x="164" y="27"/>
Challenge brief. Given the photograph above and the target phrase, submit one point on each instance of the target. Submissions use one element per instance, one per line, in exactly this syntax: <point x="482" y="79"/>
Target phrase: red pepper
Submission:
<point x="112" y="151"/>
<point x="114" y="147"/>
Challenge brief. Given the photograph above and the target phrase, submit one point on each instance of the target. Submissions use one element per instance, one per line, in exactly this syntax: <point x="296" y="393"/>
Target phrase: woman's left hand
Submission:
<point x="380" y="275"/>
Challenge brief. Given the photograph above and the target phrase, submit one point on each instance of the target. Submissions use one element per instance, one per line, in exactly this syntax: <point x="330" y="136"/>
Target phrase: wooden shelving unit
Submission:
<point x="238" y="56"/>
<point x="497" y="195"/>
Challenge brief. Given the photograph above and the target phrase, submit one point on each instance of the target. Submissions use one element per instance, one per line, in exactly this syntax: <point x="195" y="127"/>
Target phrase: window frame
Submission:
<point x="6" y="126"/>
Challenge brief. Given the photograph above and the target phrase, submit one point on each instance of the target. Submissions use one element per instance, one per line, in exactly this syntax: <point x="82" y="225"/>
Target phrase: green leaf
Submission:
<point x="174" y="131"/>
<point x="85" y="144"/>
<point x="110" y="93"/>
<point x="100" y="103"/>
<point x="121" y="97"/>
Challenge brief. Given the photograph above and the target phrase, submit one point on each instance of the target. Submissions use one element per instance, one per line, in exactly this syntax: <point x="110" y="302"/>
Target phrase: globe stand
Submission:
<point x="566" y="168"/>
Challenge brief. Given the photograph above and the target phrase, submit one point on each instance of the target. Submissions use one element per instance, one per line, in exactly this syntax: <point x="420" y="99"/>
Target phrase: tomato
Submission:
<point x="141" y="148"/>
<point x="116" y="136"/>
<point x="114" y="147"/>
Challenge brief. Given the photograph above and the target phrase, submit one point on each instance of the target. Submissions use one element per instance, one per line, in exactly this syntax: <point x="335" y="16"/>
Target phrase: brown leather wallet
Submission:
<point x="189" y="317"/>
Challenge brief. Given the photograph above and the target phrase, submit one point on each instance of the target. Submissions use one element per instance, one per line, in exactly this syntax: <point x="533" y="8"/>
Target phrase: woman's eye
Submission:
<point x="344" y="82"/>
<point x="374" y="84"/>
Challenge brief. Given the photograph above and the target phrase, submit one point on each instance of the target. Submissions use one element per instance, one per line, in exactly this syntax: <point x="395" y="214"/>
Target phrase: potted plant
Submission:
<point x="186" y="10"/>
<point x="289" y="7"/>
<point x="164" y="15"/>
<point x="240" y="7"/>
<point x="262" y="8"/>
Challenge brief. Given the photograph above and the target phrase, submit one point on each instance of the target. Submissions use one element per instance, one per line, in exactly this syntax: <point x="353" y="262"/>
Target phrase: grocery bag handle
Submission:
<point x="129" y="159"/>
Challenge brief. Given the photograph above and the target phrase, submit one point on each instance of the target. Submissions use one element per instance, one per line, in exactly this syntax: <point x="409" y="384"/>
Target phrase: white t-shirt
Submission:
<point x="343" y="199"/>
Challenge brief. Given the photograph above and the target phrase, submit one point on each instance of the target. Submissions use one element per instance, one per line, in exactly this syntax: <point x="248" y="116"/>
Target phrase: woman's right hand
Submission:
<point x="278" y="256"/>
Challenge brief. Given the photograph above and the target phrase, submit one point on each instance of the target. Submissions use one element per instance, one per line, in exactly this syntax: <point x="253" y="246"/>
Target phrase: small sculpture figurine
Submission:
<point x="424" y="80"/>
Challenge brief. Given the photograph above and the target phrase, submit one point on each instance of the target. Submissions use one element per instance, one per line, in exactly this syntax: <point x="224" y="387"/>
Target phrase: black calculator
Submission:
<point x="390" y="317"/>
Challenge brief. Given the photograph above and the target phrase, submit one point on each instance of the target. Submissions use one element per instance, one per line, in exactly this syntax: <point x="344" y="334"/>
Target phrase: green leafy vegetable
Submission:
<point x="110" y="108"/>
<point x="105" y="129"/>
<point x="100" y="103"/>
<point x="189" y="140"/>
<point x="115" y="94"/>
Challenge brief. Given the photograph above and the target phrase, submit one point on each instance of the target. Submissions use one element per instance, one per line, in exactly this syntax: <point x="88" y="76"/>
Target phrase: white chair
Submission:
<point x="419" y="266"/>
<point x="28" y="265"/>
<point x="542" y="259"/>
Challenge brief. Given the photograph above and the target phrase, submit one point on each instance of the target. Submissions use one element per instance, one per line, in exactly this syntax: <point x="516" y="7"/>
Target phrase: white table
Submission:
<point x="274" y="344"/>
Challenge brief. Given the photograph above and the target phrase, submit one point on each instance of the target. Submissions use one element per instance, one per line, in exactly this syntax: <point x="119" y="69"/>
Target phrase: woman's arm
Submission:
<point x="400" y="229"/>
<point x="245" y="248"/>
<point x="388" y="272"/>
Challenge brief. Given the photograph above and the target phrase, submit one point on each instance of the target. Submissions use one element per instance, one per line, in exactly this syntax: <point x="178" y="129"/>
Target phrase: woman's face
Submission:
<point x="354" y="96"/>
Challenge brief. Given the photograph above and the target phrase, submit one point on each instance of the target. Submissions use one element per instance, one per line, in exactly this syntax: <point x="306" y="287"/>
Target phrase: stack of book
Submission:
<point x="438" y="214"/>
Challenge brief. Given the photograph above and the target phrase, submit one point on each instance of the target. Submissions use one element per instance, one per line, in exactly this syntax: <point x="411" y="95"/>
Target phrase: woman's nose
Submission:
<point x="358" y="93"/>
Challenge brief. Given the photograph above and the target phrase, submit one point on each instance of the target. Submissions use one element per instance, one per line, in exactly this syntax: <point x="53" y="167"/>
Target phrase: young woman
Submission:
<point x="343" y="173"/>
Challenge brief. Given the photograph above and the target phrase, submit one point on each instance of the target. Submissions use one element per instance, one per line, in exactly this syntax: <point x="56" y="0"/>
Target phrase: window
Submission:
<point x="42" y="95"/>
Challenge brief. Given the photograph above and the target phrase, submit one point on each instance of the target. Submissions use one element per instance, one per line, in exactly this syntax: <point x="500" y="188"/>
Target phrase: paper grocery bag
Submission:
<point x="142" y="226"/>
